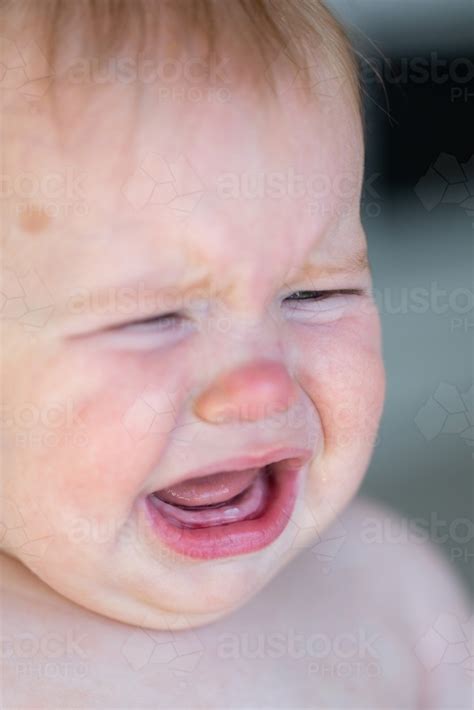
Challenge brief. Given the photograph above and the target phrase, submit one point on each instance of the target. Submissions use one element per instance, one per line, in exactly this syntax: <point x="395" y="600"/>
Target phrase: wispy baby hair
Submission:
<point x="266" y="36"/>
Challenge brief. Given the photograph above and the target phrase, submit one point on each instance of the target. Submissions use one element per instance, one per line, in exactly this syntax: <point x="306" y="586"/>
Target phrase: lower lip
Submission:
<point x="237" y="538"/>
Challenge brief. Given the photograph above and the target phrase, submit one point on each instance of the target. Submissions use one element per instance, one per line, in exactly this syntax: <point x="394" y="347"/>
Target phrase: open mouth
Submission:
<point x="229" y="512"/>
<point x="211" y="500"/>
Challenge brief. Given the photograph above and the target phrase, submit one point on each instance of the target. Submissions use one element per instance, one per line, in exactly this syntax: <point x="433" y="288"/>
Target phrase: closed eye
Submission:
<point x="321" y="307"/>
<point x="166" y="320"/>
<point x="149" y="332"/>
<point x="319" y="295"/>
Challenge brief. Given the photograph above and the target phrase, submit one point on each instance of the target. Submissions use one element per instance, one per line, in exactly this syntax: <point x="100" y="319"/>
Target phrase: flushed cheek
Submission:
<point x="124" y="407"/>
<point x="341" y="370"/>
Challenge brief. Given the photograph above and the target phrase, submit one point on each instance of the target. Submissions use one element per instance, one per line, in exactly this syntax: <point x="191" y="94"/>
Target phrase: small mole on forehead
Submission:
<point x="33" y="219"/>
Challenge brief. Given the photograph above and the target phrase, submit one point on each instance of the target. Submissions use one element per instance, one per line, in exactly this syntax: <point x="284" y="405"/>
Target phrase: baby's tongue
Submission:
<point x="209" y="490"/>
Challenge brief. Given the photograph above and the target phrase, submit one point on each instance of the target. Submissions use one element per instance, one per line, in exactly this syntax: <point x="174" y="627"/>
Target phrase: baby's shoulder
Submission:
<point x="400" y="556"/>
<point x="375" y="566"/>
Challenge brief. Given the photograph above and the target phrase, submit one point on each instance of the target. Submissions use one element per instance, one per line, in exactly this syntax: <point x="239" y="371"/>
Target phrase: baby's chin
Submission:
<point x="171" y="599"/>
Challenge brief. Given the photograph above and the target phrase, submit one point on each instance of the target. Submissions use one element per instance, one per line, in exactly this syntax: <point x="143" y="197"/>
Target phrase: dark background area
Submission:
<point x="418" y="210"/>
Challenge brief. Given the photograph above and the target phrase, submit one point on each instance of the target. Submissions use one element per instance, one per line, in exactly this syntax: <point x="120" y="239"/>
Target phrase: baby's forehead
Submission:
<point x="106" y="134"/>
<point x="204" y="186"/>
<point x="122" y="146"/>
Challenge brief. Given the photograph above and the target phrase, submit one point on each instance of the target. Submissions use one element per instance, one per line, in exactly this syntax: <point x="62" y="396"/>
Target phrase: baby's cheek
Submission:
<point x="342" y="372"/>
<point x="122" y="413"/>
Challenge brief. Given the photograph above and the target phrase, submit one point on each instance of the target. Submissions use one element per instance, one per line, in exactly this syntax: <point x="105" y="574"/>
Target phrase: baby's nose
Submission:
<point x="249" y="392"/>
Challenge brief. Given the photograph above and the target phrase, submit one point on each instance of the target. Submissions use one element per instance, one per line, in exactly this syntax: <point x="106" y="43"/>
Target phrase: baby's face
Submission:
<point x="198" y="302"/>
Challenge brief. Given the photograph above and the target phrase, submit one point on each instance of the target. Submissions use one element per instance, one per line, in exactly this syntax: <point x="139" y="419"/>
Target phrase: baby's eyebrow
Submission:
<point x="151" y="285"/>
<point x="357" y="262"/>
<point x="353" y="263"/>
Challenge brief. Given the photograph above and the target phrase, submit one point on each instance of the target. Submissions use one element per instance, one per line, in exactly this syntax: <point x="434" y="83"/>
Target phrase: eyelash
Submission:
<point x="319" y="295"/>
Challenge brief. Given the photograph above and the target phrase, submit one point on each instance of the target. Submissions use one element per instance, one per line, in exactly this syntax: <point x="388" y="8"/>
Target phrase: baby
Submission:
<point x="192" y="372"/>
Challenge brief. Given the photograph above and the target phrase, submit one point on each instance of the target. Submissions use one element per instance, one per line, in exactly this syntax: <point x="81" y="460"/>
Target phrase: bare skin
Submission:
<point x="302" y="642"/>
<point x="151" y="210"/>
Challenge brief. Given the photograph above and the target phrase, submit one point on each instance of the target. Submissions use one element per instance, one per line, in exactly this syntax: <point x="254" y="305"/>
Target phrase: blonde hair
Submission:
<point x="300" y="32"/>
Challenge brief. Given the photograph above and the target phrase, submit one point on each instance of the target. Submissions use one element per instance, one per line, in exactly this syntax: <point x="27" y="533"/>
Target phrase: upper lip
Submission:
<point x="243" y="462"/>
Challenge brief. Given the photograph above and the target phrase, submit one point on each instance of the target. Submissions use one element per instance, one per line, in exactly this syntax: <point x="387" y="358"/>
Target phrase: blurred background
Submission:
<point x="418" y="210"/>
